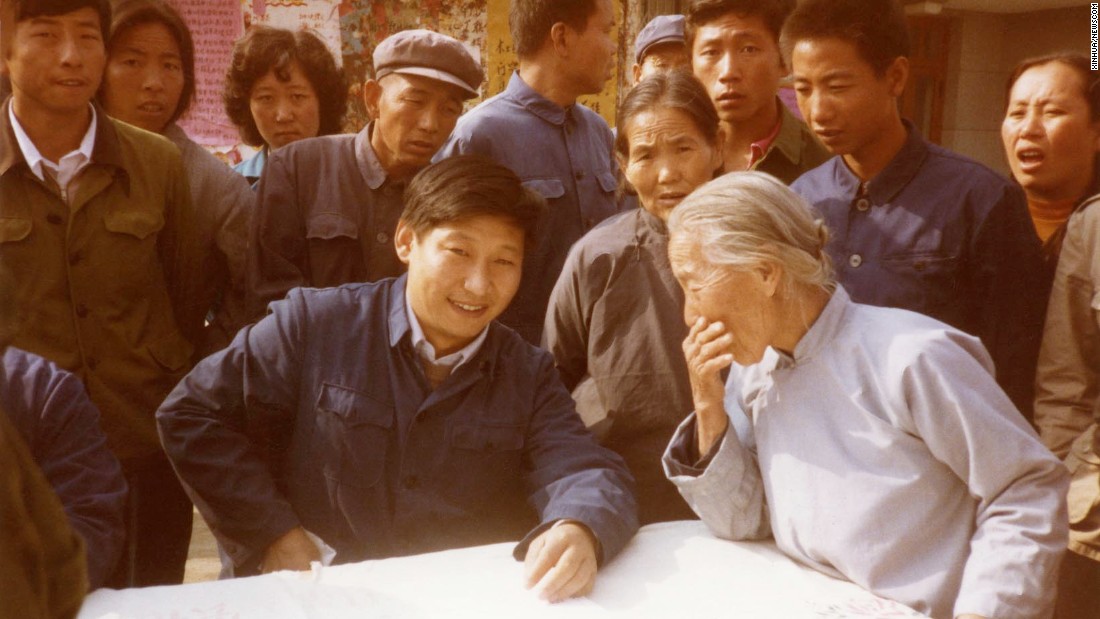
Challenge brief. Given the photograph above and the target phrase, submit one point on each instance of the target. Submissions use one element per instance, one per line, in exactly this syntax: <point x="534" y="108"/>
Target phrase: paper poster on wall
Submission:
<point x="215" y="25"/>
<point x="322" y="17"/>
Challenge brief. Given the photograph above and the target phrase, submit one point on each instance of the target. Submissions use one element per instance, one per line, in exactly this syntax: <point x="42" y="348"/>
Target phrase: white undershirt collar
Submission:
<point x="65" y="171"/>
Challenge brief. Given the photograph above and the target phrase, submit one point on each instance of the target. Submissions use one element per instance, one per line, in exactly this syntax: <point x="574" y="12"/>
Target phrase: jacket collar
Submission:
<point x="820" y="335"/>
<point x="825" y="328"/>
<point x="401" y="331"/>
<point x="398" y="319"/>
<point x="373" y="172"/>
<point x="533" y="102"/>
<point x="897" y="174"/>
<point x="107" y="150"/>
<point x="789" y="140"/>
<point x="651" y="222"/>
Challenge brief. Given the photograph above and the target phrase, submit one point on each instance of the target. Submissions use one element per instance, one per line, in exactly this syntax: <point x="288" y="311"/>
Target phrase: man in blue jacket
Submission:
<point x="912" y="225"/>
<point x="397" y="417"/>
<point x="60" y="425"/>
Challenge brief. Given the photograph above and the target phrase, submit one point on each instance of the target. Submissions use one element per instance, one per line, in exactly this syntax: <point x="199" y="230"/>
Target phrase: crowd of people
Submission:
<point x="456" y="328"/>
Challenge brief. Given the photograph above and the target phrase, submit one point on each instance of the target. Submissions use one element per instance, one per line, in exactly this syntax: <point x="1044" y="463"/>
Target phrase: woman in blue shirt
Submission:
<point x="281" y="86"/>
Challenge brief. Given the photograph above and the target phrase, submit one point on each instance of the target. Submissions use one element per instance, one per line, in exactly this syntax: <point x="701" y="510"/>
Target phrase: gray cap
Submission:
<point x="429" y="54"/>
<point x="660" y="29"/>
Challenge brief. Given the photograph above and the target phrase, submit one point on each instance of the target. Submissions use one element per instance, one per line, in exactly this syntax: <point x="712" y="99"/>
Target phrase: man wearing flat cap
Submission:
<point x="660" y="46"/>
<point x="327" y="207"/>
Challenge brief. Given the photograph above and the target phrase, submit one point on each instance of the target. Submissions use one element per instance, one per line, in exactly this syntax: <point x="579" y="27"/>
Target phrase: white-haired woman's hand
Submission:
<point x="706" y="349"/>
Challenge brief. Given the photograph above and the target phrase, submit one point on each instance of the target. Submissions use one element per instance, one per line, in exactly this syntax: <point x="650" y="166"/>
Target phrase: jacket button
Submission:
<point x="855" y="260"/>
<point x="410" y="482"/>
<point x="91" y="362"/>
<point x="863" y="204"/>
<point x="74" y="258"/>
<point x="382" y="237"/>
<point x="55" y="219"/>
<point x="81" y="310"/>
<point x="579" y="175"/>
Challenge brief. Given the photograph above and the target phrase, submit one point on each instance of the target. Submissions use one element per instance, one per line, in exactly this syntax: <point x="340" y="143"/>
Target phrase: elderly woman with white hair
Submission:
<point x="873" y="443"/>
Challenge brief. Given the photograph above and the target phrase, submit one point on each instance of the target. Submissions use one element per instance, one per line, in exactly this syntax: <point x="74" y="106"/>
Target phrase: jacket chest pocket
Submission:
<point x="17" y="251"/>
<point x="134" y="224"/>
<point x="608" y="185"/>
<point x="330" y="226"/>
<point x="14" y="229"/>
<point x="551" y="190"/>
<point x="487" y="439"/>
<point x="131" y="244"/>
<point x="931" y="278"/>
<point x="352" y="436"/>
<point x="13" y="234"/>
<point x="335" y="252"/>
<point x="486" y="459"/>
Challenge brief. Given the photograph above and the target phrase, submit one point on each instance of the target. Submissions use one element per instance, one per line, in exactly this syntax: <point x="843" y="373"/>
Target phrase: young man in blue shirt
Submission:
<point x="398" y="417"/>
<point x="913" y="225"/>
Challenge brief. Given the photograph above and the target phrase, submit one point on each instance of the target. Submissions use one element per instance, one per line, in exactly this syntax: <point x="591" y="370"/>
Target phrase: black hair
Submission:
<point x="877" y="28"/>
<point x="531" y="20"/>
<point x="131" y="13"/>
<point x="702" y="12"/>
<point x="678" y="90"/>
<point x="29" y="9"/>
<point x="1078" y="62"/>
<point x="263" y="49"/>
<point x="466" y="186"/>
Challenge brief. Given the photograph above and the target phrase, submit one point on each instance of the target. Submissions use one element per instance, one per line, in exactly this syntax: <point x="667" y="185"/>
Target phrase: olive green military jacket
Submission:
<point x="111" y="285"/>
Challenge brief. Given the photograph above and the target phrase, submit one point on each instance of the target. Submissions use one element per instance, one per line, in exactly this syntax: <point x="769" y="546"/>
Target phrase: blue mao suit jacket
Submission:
<point x="320" y="415"/>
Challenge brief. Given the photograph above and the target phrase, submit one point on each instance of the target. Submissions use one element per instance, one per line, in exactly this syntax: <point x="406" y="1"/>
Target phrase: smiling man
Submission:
<point x="399" y="417"/>
<point x="327" y="208"/>
<point x="734" y="47"/>
<point x="914" y="225"/>
<point x="100" y="237"/>
<point x="560" y="148"/>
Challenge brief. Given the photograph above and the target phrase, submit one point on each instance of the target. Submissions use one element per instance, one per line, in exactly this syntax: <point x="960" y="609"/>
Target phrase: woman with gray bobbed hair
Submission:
<point x="873" y="443"/>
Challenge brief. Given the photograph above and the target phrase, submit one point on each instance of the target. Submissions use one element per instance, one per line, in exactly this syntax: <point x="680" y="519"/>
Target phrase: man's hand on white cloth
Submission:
<point x="293" y="551"/>
<point x="561" y="562"/>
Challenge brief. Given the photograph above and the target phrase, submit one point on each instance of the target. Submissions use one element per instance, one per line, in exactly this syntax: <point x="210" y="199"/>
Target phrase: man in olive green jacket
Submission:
<point x="96" y="226"/>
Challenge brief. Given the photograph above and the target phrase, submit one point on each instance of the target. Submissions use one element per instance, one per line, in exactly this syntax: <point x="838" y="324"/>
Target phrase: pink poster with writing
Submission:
<point x="215" y="25"/>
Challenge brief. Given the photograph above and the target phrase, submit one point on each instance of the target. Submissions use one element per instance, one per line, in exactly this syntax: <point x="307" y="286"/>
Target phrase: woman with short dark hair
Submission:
<point x="282" y="86"/>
